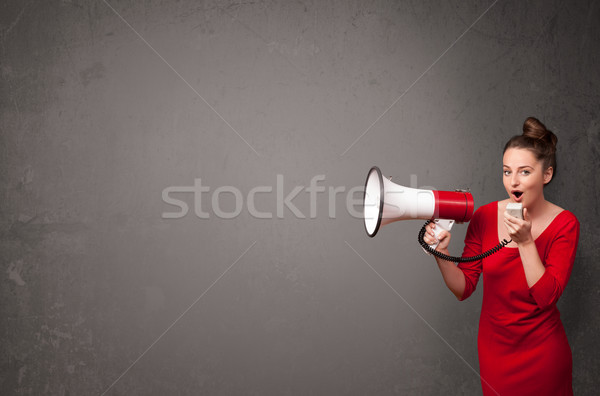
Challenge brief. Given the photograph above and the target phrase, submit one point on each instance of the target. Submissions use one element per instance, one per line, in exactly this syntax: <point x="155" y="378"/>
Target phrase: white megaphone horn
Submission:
<point x="385" y="202"/>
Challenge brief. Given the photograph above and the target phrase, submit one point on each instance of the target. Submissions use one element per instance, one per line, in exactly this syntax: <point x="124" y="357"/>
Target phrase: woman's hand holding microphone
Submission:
<point x="519" y="230"/>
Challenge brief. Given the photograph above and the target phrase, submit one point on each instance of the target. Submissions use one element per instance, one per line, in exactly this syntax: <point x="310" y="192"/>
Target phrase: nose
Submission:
<point x="514" y="180"/>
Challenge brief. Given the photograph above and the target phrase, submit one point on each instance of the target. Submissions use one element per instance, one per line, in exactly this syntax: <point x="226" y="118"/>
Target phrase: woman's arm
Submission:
<point x="547" y="280"/>
<point x="532" y="264"/>
<point x="453" y="276"/>
<point x="520" y="232"/>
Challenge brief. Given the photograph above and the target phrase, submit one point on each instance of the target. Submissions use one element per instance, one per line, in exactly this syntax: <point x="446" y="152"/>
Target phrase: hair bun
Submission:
<point x="533" y="128"/>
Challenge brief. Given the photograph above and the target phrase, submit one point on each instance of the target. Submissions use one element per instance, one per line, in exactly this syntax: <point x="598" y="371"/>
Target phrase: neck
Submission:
<point x="537" y="207"/>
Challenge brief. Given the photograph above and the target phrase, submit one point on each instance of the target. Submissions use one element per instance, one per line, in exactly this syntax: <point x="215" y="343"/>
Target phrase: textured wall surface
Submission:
<point x="105" y="104"/>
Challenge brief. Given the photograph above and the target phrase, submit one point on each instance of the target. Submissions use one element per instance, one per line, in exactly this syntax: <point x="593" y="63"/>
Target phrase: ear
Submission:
<point x="548" y="173"/>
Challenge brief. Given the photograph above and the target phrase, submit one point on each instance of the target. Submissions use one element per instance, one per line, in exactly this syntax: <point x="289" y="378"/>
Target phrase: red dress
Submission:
<point x="523" y="348"/>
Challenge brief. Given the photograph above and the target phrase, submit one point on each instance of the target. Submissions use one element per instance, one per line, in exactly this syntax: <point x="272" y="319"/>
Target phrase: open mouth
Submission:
<point x="517" y="194"/>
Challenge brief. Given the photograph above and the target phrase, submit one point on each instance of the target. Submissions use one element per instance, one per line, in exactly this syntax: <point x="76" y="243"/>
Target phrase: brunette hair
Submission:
<point x="539" y="140"/>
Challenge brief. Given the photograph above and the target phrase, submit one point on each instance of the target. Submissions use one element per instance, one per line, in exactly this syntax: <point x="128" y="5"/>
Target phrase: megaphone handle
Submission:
<point x="431" y="251"/>
<point x="440" y="225"/>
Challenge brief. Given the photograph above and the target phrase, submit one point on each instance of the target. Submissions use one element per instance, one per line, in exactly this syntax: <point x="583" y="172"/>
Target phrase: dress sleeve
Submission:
<point x="559" y="263"/>
<point x="473" y="244"/>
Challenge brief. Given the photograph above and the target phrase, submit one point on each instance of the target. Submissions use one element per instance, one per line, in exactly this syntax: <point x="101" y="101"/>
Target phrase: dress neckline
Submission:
<point x="536" y="239"/>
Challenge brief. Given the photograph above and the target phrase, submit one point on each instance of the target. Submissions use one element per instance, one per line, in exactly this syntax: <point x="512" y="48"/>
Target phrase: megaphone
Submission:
<point x="386" y="202"/>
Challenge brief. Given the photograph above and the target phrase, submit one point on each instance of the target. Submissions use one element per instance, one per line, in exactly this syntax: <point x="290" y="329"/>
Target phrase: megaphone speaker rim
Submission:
<point x="381" y="197"/>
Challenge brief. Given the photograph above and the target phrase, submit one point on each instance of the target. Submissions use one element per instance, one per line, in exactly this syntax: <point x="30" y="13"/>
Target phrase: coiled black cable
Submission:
<point x="443" y="256"/>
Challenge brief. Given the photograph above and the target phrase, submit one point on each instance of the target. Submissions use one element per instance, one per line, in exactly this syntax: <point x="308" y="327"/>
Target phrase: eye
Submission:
<point x="525" y="173"/>
<point x="506" y="173"/>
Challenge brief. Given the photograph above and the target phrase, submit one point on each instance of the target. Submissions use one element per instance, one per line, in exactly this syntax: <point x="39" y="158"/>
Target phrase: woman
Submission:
<point x="523" y="348"/>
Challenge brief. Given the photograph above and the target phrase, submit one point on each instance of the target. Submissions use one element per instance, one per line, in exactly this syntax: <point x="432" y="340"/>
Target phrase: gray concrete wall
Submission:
<point x="106" y="104"/>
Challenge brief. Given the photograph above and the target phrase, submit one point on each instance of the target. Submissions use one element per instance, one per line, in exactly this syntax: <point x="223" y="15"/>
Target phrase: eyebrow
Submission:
<point x="520" y="167"/>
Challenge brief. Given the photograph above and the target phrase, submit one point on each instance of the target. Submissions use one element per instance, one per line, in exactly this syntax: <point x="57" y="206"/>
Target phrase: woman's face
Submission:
<point x="524" y="177"/>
